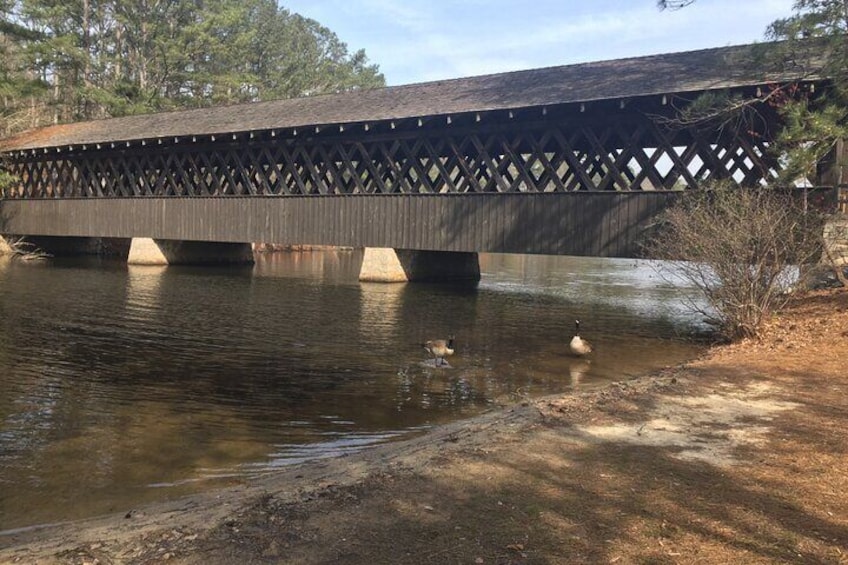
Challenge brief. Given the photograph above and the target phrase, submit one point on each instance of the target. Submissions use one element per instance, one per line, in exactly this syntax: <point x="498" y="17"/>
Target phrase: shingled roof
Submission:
<point x="672" y="73"/>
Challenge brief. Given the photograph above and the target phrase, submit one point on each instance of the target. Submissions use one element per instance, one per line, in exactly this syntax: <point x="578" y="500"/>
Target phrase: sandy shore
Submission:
<point x="739" y="456"/>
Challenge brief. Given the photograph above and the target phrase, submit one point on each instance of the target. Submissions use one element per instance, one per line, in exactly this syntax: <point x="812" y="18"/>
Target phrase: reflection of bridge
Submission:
<point x="566" y="160"/>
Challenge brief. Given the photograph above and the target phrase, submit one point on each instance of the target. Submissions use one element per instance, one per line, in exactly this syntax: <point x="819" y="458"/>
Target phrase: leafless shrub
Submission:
<point x="744" y="249"/>
<point x="25" y="250"/>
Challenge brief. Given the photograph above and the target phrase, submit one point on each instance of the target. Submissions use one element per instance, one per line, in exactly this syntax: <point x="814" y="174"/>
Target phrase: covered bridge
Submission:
<point x="570" y="160"/>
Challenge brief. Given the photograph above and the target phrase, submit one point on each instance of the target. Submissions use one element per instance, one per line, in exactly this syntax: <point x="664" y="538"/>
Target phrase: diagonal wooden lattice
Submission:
<point x="542" y="157"/>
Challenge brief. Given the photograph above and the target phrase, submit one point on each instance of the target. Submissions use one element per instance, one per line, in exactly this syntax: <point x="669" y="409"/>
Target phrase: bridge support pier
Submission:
<point x="380" y="264"/>
<point x="146" y="251"/>
<point x="5" y="248"/>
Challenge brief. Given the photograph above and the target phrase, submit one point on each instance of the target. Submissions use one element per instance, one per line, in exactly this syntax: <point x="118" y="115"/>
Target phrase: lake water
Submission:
<point x="121" y="385"/>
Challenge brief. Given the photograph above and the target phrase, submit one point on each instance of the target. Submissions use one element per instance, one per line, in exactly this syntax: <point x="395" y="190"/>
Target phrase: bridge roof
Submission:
<point x="671" y="73"/>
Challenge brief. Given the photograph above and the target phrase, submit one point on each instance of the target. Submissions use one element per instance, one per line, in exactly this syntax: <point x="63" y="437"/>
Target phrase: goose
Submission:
<point x="439" y="349"/>
<point x="578" y="345"/>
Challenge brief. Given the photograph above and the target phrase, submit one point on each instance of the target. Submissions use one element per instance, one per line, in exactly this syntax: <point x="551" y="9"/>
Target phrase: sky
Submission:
<point x="423" y="40"/>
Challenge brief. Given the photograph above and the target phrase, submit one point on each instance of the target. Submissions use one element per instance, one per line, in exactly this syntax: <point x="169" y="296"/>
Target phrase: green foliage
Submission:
<point x="83" y="59"/>
<point x="826" y="19"/>
<point x="810" y="132"/>
<point x="5" y="180"/>
<point x="812" y="127"/>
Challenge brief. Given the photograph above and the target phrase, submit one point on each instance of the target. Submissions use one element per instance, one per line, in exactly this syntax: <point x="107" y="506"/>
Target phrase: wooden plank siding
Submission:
<point x="604" y="224"/>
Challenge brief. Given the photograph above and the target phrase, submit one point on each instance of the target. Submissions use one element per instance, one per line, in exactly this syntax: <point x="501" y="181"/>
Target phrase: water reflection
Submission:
<point x="320" y="265"/>
<point x="126" y="384"/>
<point x="143" y="290"/>
<point x="381" y="309"/>
<point x="578" y="369"/>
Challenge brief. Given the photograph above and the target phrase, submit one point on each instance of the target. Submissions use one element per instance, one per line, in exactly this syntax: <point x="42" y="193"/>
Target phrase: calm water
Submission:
<point x="121" y="385"/>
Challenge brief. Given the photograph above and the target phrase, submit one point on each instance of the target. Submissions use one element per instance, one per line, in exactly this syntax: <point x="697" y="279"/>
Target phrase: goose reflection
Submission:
<point x="577" y="369"/>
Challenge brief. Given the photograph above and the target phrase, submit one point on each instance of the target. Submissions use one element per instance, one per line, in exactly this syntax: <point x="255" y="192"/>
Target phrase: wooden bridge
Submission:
<point x="571" y="160"/>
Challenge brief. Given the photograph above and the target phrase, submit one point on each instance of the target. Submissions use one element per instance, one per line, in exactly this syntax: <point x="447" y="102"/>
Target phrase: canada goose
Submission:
<point x="439" y="349"/>
<point x="578" y="345"/>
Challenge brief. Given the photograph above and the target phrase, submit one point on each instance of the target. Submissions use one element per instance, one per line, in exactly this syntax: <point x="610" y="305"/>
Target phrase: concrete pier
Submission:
<point x="147" y="251"/>
<point x="5" y="248"/>
<point x="406" y="265"/>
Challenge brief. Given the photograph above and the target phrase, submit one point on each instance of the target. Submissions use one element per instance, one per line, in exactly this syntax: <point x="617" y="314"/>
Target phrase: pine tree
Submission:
<point x="68" y="60"/>
<point x="814" y="126"/>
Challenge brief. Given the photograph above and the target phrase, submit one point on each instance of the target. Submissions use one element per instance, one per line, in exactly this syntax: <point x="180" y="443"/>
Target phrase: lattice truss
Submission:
<point x="546" y="157"/>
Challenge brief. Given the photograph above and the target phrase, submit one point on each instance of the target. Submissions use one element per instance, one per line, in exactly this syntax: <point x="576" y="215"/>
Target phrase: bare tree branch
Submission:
<point x="673" y="4"/>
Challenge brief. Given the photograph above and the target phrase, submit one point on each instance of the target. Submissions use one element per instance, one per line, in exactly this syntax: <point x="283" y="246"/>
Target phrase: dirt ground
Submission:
<point x="740" y="456"/>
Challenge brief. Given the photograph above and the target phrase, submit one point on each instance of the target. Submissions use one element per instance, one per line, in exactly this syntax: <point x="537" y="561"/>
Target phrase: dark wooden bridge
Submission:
<point x="570" y="160"/>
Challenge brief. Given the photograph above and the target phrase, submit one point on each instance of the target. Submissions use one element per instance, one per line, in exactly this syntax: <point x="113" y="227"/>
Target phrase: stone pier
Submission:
<point x="406" y="265"/>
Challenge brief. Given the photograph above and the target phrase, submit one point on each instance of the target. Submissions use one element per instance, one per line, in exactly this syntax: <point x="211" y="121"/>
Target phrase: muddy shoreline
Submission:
<point x="300" y="483"/>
